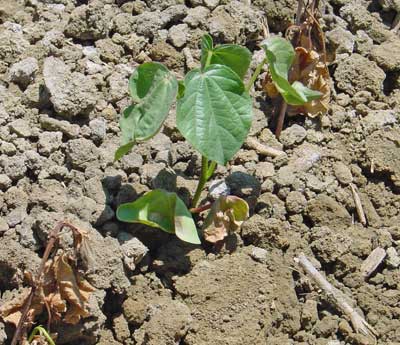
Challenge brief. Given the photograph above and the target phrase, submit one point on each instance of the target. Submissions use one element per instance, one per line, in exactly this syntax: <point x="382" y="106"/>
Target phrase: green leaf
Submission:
<point x="181" y="89"/>
<point x="215" y="113"/>
<point x="163" y="210"/>
<point x="206" y="49"/>
<point x="280" y="55"/>
<point x="306" y="92"/>
<point x="123" y="150"/>
<point x="234" y="56"/>
<point x="153" y="89"/>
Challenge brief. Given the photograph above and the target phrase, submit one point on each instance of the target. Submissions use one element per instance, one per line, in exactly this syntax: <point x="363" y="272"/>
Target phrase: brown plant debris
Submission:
<point x="58" y="287"/>
<point x="226" y="216"/>
<point x="337" y="298"/>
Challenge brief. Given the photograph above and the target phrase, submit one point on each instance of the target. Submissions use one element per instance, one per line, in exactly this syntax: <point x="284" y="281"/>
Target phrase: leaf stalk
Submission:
<point x="206" y="173"/>
<point x="255" y="75"/>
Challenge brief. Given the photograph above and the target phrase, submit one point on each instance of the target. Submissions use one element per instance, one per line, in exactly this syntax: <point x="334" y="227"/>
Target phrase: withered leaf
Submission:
<point x="226" y="216"/>
<point x="56" y="304"/>
<point x="74" y="290"/>
<point x="11" y="311"/>
<point x="312" y="72"/>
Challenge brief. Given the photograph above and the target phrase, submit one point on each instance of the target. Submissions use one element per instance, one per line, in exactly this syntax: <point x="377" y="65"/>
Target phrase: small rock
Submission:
<point x="393" y="258"/>
<point x="323" y="210"/>
<point x="293" y="135"/>
<point x="264" y="170"/>
<point x="178" y="35"/>
<point x="149" y="171"/>
<point x="309" y="313"/>
<point x="148" y="23"/>
<point x="3" y="226"/>
<point x="50" y="124"/>
<point x="342" y="40"/>
<point x="81" y="153"/>
<point x="211" y="4"/>
<point x="118" y="83"/>
<point x="7" y="148"/>
<point x="196" y="16"/>
<point x="167" y="322"/>
<point x="377" y="119"/>
<point x="16" y="216"/>
<point x="109" y="51"/>
<point x="324" y="243"/>
<point x="218" y="188"/>
<point x="21" y="127"/>
<point x="342" y="173"/>
<point x="133" y="252"/>
<point x="5" y="182"/>
<point x="259" y="254"/>
<point x="49" y="142"/>
<point x="93" y="188"/>
<point x="131" y="162"/>
<point x="71" y="93"/>
<point x="387" y="54"/>
<point x="14" y="167"/>
<point x="243" y="185"/>
<point x="357" y="73"/>
<point x="90" y="22"/>
<point x="98" y="128"/>
<point x="121" y="328"/>
<point x="12" y="46"/>
<point x="296" y="202"/>
<point x="23" y="72"/>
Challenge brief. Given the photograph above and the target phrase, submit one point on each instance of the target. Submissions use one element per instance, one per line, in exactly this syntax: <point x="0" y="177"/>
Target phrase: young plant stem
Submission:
<point x="211" y="169"/>
<point x="208" y="61"/>
<point x="42" y="332"/>
<point x="201" y="208"/>
<point x="255" y="74"/>
<point x="281" y="119"/>
<point x="203" y="179"/>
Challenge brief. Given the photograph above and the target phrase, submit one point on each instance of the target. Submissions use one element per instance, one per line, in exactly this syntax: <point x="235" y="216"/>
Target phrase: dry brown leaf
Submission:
<point x="11" y="311"/>
<point x="309" y="69"/>
<point x="56" y="304"/>
<point x="73" y="290"/>
<point x="226" y="216"/>
<point x="217" y="231"/>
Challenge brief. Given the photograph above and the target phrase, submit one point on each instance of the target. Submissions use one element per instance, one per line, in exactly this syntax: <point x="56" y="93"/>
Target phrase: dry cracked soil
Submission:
<point x="64" y="69"/>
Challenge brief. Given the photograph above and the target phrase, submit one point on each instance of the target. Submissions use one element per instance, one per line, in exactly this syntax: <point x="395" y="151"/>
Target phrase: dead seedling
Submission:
<point x="309" y="66"/>
<point x="57" y="288"/>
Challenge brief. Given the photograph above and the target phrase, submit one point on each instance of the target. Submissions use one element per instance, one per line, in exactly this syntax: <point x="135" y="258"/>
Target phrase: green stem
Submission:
<point x="211" y="169"/>
<point x="202" y="181"/>
<point x="208" y="61"/>
<point x="201" y="208"/>
<point x="255" y="74"/>
<point x="42" y="331"/>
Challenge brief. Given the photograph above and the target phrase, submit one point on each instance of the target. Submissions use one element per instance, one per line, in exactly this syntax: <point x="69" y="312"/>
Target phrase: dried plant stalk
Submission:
<point x="359" y="207"/>
<point x="263" y="149"/>
<point x="372" y="262"/>
<point x="61" y="276"/>
<point x="337" y="298"/>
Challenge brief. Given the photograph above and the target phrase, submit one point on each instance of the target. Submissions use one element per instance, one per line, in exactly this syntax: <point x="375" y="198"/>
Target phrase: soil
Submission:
<point x="64" y="69"/>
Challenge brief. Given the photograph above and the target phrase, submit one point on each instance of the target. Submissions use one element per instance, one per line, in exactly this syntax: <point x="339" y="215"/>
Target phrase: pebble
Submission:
<point x="23" y="72"/>
<point x="218" y="188"/>
<point x="259" y="254"/>
<point x="393" y="258"/>
<point x="293" y="135"/>
<point x="342" y="173"/>
<point x="178" y="35"/>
